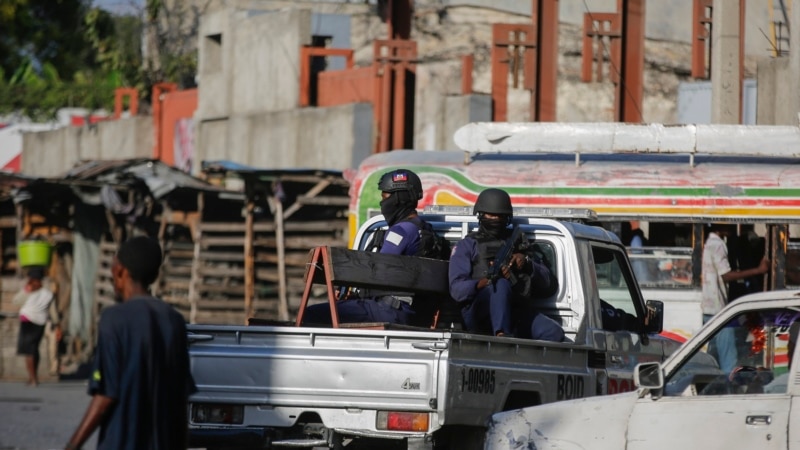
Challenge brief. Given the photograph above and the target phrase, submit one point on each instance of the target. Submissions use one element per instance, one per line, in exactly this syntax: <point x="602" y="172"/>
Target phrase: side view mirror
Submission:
<point x="655" y="316"/>
<point x="649" y="375"/>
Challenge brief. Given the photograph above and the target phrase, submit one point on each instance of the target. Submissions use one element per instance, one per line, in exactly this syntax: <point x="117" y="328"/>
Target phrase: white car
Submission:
<point x="689" y="402"/>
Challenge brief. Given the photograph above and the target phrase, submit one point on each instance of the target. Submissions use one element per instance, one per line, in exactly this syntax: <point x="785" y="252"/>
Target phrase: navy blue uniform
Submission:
<point x="142" y="362"/>
<point x="401" y="238"/>
<point x="489" y="310"/>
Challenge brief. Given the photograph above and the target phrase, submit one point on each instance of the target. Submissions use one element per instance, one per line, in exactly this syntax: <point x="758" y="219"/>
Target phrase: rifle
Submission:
<point x="503" y="257"/>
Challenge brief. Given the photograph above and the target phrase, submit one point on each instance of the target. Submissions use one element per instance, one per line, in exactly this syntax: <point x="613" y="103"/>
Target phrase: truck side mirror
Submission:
<point x="649" y="375"/>
<point x="654" y="323"/>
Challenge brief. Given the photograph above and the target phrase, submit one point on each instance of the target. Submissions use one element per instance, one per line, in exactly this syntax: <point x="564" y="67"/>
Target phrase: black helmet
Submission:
<point x="493" y="201"/>
<point x="401" y="180"/>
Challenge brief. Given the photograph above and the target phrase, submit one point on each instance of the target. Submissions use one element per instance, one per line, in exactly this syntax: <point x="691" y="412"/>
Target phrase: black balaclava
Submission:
<point x="397" y="207"/>
<point x="496" y="228"/>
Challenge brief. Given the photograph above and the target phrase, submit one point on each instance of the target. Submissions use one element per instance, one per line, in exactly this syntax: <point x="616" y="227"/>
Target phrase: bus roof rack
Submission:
<point x="615" y="137"/>
<point x="582" y="214"/>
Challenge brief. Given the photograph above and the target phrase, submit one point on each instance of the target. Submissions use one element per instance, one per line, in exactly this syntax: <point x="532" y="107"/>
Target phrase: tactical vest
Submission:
<point x="487" y="248"/>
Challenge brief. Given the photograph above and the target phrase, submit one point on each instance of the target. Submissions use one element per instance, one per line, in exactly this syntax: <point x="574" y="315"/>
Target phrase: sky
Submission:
<point x="120" y="6"/>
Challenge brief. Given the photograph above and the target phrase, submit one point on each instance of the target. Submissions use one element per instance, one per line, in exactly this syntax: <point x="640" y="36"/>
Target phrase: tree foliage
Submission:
<point x="63" y="53"/>
<point x="44" y="30"/>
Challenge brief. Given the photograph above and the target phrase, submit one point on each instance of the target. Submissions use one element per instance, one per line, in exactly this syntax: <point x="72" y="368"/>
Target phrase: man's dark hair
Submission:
<point x="141" y="255"/>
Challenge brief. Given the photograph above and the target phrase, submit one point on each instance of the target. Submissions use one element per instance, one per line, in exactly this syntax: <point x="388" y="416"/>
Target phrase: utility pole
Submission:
<point x="794" y="61"/>
<point x="726" y="76"/>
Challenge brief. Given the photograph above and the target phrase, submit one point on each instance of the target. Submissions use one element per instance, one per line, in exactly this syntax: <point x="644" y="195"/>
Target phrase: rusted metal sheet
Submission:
<point x="308" y="52"/>
<point x="543" y="109"/>
<point x="467" y="63"/>
<point x="601" y="33"/>
<point x="701" y="35"/>
<point x="514" y="53"/>
<point x="120" y="94"/>
<point x="340" y="87"/>
<point x="620" y="35"/>
<point x="630" y="87"/>
<point x="394" y="66"/>
<point x="159" y="89"/>
<point x="398" y="15"/>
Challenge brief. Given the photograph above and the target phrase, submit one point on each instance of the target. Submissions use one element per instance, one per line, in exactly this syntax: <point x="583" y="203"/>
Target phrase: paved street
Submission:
<point x="41" y="418"/>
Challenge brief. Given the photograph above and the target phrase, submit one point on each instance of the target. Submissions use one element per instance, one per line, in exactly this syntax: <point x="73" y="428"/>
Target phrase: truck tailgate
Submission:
<point x="314" y="367"/>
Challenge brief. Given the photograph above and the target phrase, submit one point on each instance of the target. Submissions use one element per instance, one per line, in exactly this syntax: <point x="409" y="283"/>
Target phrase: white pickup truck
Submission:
<point x="281" y="385"/>
<point x="688" y="402"/>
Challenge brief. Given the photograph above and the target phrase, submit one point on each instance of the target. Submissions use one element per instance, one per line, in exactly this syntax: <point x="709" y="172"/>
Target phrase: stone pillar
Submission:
<point x="725" y="76"/>
<point x="794" y="62"/>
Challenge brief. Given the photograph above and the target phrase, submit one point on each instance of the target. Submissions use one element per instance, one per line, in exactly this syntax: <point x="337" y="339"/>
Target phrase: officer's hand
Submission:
<point x="518" y="259"/>
<point x="482" y="283"/>
<point x="507" y="270"/>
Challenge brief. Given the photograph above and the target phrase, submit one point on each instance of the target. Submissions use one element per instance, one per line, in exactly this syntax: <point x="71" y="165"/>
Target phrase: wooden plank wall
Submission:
<point x="251" y="263"/>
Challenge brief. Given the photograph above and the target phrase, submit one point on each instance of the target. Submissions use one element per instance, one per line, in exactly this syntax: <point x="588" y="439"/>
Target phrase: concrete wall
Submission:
<point x="249" y="89"/>
<point x="249" y="61"/>
<point x="461" y="110"/>
<point x="779" y="83"/>
<point x="51" y="153"/>
<point x="341" y="138"/>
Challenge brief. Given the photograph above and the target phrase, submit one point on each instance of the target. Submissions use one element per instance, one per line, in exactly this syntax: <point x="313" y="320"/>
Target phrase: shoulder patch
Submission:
<point x="96" y="375"/>
<point x="394" y="238"/>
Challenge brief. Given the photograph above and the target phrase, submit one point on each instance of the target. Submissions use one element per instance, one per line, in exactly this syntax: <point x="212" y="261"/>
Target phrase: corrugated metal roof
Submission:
<point x="159" y="178"/>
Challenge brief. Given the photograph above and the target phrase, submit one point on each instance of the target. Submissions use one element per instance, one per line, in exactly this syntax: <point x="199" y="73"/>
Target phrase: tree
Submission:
<point x="59" y="53"/>
<point x="171" y="28"/>
<point x="44" y="31"/>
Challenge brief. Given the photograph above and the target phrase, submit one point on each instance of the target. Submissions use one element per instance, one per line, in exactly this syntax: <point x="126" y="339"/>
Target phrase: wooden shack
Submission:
<point x="235" y="243"/>
<point x="250" y="262"/>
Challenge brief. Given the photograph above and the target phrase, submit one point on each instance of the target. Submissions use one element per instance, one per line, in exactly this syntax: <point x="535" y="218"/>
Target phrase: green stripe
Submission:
<point x="371" y="196"/>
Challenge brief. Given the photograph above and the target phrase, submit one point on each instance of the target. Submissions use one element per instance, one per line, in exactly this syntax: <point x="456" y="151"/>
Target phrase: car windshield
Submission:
<point x="750" y="354"/>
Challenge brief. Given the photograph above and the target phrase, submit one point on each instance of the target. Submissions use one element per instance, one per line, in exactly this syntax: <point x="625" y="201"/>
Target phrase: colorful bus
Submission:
<point x="672" y="180"/>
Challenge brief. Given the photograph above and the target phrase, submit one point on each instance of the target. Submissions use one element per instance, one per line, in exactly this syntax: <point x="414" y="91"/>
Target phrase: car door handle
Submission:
<point x="616" y="359"/>
<point x="758" y="420"/>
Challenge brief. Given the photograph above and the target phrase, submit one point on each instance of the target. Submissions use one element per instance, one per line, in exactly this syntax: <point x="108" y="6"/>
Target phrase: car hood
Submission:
<point x="595" y="423"/>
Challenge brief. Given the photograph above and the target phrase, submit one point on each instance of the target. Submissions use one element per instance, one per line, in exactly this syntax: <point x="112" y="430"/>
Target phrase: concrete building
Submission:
<point x="248" y="81"/>
<point x="249" y="95"/>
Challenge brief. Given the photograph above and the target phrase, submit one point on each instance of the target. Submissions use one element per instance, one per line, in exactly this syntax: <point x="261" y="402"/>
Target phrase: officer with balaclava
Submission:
<point x="401" y="189"/>
<point x="487" y="304"/>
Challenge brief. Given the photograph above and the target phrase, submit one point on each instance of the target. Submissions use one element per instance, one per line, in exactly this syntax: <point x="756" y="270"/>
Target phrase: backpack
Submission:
<point x="431" y="245"/>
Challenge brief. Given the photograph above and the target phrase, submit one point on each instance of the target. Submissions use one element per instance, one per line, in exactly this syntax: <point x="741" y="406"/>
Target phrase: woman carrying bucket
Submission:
<point x="37" y="306"/>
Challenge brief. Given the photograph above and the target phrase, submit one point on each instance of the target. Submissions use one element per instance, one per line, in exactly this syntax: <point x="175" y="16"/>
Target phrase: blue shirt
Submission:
<point x="142" y="362"/>
<point x="401" y="238"/>
<point x="462" y="286"/>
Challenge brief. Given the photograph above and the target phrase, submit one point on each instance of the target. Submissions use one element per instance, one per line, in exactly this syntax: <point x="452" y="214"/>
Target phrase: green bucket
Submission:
<point x="34" y="253"/>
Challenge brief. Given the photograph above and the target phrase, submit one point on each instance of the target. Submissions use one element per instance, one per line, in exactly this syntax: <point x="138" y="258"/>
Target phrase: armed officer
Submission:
<point x="486" y="303"/>
<point x="401" y="189"/>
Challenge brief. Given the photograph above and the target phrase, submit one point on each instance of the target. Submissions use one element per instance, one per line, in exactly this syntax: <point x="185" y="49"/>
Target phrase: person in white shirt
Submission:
<point x="37" y="307"/>
<point x="716" y="274"/>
